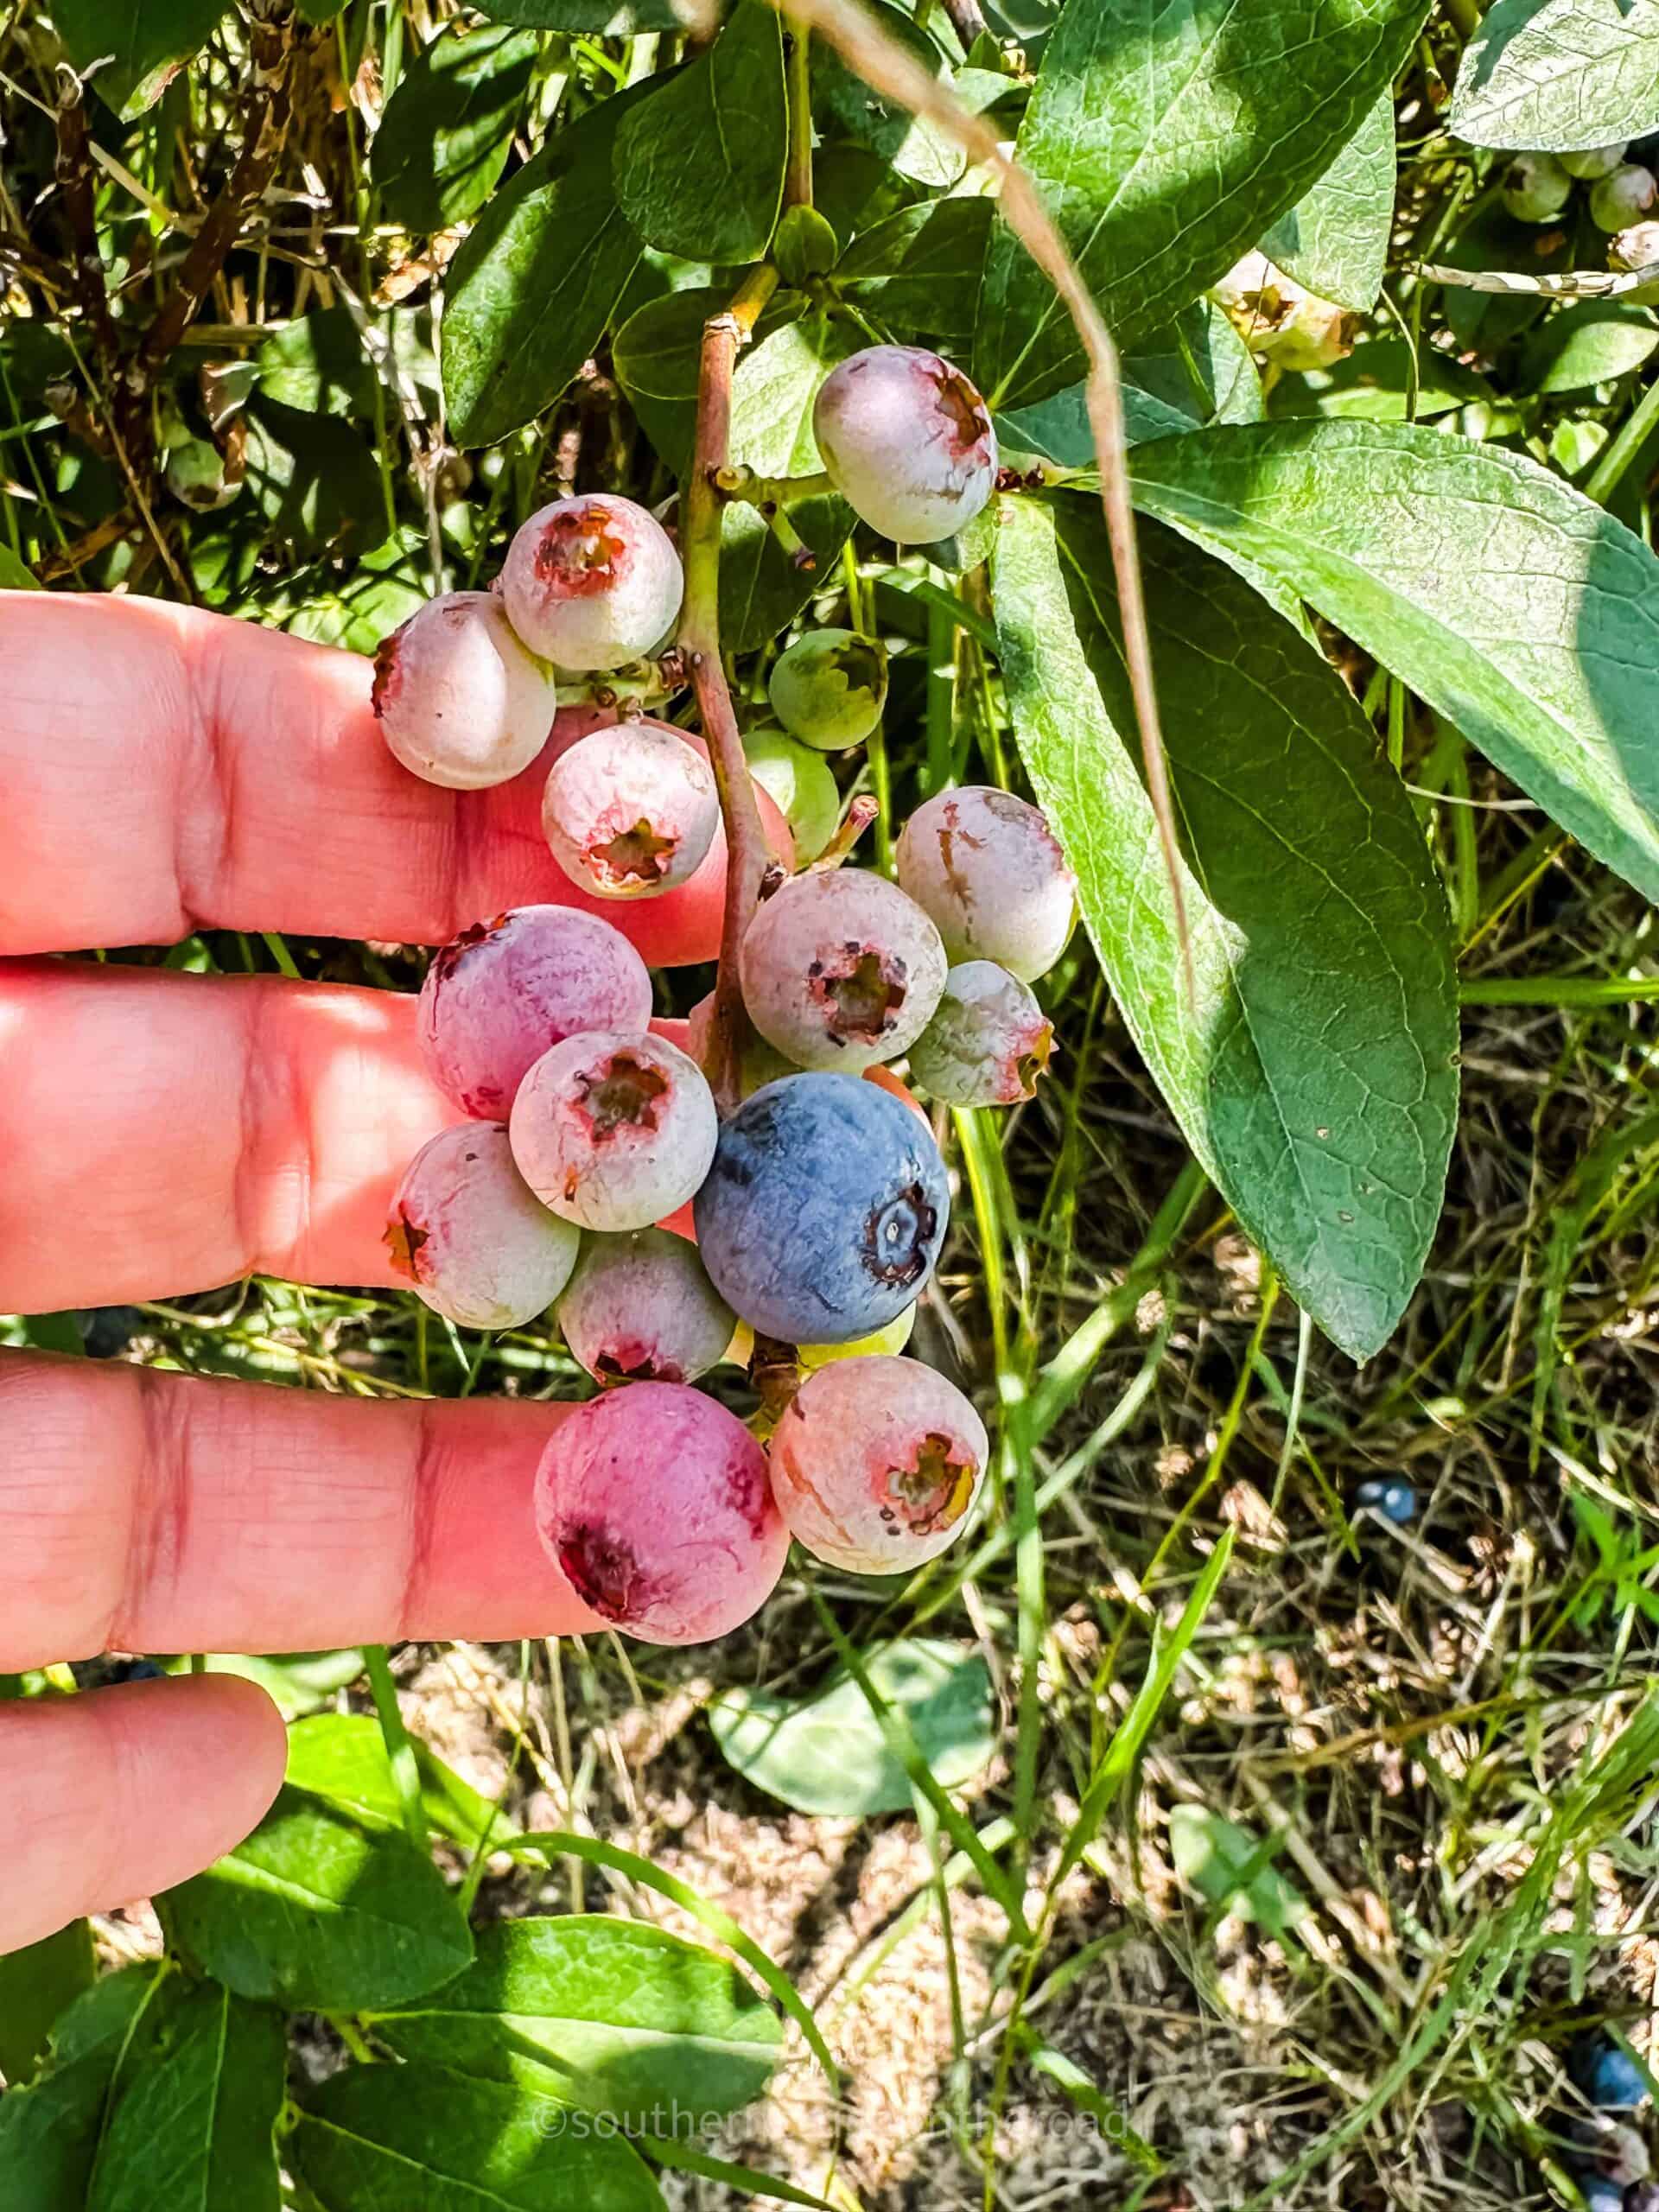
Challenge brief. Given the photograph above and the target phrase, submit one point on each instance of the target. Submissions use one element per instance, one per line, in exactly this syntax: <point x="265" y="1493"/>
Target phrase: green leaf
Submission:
<point x="448" y="130"/>
<point x="1315" y="1078"/>
<point x="194" y="2123"/>
<point x="50" y="2131"/>
<point x="342" y="1756"/>
<point x="1559" y="76"/>
<point x="1166" y="143"/>
<point x="1511" y="604"/>
<point x="1373" y="383"/>
<point x="530" y="293"/>
<point x="1231" y="1870"/>
<point x="36" y="1985"/>
<point x="700" y="164"/>
<point x="586" y="19"/>
<point x="918" y="274"/>
<point x="311" y="477"/>
<point x="147" y="43"/>
<point x="846" y="107"/>
<point x="1196" y="373"/>
<point x="773" y="392"/>
<point x="1590" y="342"/>
<point x="14" y="575"/>
<point x="320" y="1910"/>
<point x="828" y="1753"/>
<point x="382" y="2138"/>
<point x="1335" y="240"/>
<point x="622" y="2018"/>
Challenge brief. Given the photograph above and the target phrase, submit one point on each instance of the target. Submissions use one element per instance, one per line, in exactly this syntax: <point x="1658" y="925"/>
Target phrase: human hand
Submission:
<point x="165" y="770"/>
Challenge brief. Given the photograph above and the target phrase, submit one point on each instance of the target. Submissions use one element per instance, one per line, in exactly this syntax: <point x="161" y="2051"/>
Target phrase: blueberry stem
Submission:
<point x="746" y="854"/>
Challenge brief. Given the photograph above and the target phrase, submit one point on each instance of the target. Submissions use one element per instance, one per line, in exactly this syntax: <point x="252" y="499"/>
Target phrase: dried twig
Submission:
<point x="73" y="170"/>
<point x="888" y="68"/>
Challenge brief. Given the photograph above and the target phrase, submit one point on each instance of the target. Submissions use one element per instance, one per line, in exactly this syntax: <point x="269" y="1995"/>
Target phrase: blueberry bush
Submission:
<point x="999" y="510"/>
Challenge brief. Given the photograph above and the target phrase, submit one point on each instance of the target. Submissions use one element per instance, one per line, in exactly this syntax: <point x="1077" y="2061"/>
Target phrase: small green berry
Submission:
<point x="1596" y="162"/>
<point x="1536" y="187"/>
<point x="829" y="687"/>
<point x="798" y="782"/>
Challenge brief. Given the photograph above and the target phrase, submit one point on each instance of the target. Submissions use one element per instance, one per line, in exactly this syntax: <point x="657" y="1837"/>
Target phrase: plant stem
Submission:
<point x="1558" y="990"/>
<point x="798" y="182"/>
<point x="399" y="1750"/>
<point x="746" y="855"/>
<point x="1605" y="477"/>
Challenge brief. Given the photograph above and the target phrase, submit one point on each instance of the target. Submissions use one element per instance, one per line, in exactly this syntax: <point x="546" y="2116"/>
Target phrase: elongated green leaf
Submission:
<point x="827" y="1754"/>
<point x="532" y="290"/>
<point x="1512" y="604"/>
<point x="36" y="1985"/>
<point x="194" y="2123"/>
<point x="918" y="272"/>
<point x="1560" y="76"/>
<point x="342" y="1755"/>
<point x="621" y="2017"/>
<point x="1335" y="240"/>
<point x="1594" y="341"/>
<point x="142" y="43"/>
<point x="321" y="1909"/>
<point x="1315" y="1076"/>
<point x="50" y="2131"/>
<point x="594" y="18"/>
<point x="1166" y="142"/>
<point x="700" y="163"/>
<point x="448" y="130"/>
<point x="14" y="575"/>
<point x="1196" y="373"/>
<point x="383" y="2138"/>
<point x="913" y="146"/>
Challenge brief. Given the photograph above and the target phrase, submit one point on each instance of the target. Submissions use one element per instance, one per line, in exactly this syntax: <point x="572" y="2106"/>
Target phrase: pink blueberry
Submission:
<point x="592" y="582"/>
<point x="640" y="1308"/>
<point x="508" y="990"/>
<point x="989" y="870"/>
<point x="614" y="1131"/>
<point x="467" y="1233"/>
<point x="907" y="441"/>
<point x="631" y="811"/>
<point x="653" y="1501"/>
<point x="875" y="1464"/>
<point x="842" y="970"/>
<point x="458" y="700"/>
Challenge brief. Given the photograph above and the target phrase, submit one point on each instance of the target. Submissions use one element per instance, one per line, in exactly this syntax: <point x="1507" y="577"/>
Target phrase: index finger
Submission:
<point x="167" y="770"/>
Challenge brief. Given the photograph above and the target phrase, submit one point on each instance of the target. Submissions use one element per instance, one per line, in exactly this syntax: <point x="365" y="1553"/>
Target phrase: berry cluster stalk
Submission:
<point x="746" y="855"/>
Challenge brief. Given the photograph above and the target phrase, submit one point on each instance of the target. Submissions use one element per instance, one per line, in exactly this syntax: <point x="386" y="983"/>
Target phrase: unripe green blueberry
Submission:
<point x="640" y="1308"/>
<point x="631" y="811"/>
<point x="1595" y="162"/>
<point x="458" y="700"/>
<point x="800" y="784"/>
<point x="470" y="1237"/>
<point x="875" y="1464"/>
<point x="196" y="477"/>
<point x="989" y="1042"/>
<point x="803" y="245"/>
<point x="989" y="870"/>
<point x="592" y="582"/>
<point x="1624" y="198"/>
<point x="1536" y="187"/>
<point x="830" y="687"/>
<point x="841" y="971"/>
<point x="653" y="1501"/>
<point x="907" y="441"/>
<point x="614" y="1132"/>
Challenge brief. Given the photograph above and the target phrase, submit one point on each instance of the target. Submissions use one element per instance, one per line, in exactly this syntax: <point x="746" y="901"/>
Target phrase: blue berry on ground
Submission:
<point x="826" y="1209"/>
<point x="1394" y="1500"/>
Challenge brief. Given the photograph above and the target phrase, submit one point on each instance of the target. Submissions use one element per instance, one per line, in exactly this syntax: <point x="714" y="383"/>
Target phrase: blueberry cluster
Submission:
<point x="593" y="1172"/>
<point x="1537" y="186"/>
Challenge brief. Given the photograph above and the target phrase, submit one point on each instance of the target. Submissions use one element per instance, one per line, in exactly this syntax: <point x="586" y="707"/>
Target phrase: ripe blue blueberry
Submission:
<point x="1394" y="1500"/>
<point x="1601" y="2195"/>
<point x="1609" y="2076"/>
<point x="823" y="1214"/>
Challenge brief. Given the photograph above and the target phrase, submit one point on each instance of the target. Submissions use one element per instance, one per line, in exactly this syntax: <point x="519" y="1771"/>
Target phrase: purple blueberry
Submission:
<point x="631" y="811"/>
<point x="613" y="1132"/>
<point x="592" y="582"/>
<point x="458" y="699"/>
<point x="1393" y="1498"/>
<point x="907" y="442"/>
<point x="825" y="1211"/>
<point x="507" y="991"/>
<point x="989" y="870"/>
